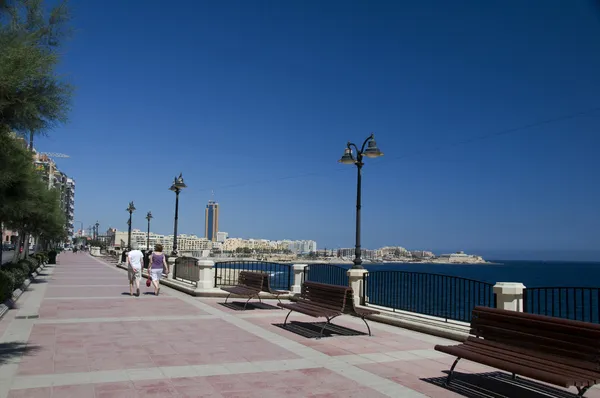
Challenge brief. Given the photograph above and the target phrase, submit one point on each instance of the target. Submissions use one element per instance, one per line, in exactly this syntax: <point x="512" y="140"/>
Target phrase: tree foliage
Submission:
<point x="33" y="98"/>
<point x="26" y="203"/>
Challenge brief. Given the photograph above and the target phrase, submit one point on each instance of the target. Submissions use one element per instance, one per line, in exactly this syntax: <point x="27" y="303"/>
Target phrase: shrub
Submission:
<point x="19" y="276"/>
<point x="7" y="285"/>
<point x="30" y="263"/>
<point x="43" y="257"/>
<point x="22" y="265"/>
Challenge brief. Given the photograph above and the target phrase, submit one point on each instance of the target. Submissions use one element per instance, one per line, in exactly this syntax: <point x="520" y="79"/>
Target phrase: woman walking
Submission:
<point x="158" y="263"/>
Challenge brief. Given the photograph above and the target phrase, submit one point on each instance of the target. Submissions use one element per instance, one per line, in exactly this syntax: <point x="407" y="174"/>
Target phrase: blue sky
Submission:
<point x="257" y="99"/>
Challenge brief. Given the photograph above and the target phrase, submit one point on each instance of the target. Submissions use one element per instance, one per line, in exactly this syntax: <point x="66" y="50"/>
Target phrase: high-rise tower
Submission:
<point x="211" y="224"/>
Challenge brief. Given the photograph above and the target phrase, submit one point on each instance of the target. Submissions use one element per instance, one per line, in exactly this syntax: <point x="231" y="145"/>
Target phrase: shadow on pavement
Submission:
<point x="14" y="350"/>
<point x="496" y="385"/>
<point x="313" y="329"/>
<point x="239" y="306"/>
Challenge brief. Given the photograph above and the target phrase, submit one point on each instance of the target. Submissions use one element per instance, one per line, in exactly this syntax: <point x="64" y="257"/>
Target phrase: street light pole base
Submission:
<point x="357" y="264"/>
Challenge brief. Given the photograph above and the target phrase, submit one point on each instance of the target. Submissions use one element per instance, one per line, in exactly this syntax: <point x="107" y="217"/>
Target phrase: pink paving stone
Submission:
<point x="74" y="391"/>
<point x="45" y="392"/>
<point x="90" y="281"/>
<point x="121" y="307"/>
<point x="93" y="291"/>
<point x="380" y="342"/>
<point x="99" y="346"/>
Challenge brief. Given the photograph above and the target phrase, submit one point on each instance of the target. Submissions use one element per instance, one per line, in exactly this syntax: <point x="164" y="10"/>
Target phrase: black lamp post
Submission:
<point x="130" y="209"/>
<point x="97" y="231"/>
<point x="148" y="217"/>
<point x="348" y="158"/>
<point x="177" y="186"/>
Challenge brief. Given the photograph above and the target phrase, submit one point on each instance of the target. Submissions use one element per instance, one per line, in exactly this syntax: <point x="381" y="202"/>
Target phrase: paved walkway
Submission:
<point x="77" y="333"/>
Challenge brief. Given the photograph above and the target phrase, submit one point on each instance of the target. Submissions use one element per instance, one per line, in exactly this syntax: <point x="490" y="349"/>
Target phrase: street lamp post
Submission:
<point x="177" y="186"/>
<point x="348" y="158"/>
<point x="148" y="217"/>
<point x="130" y="209"/>
<point x="97" y="231"/>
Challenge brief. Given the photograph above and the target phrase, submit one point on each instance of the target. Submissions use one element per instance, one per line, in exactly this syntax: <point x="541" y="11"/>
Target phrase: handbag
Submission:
<point x="149" y="280"/>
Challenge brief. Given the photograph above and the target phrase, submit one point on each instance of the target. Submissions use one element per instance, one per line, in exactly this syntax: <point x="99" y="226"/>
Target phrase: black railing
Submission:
<point x="186" y="268"/>
<point x="577" y="303"/>
<point x="326" y="273"/>
<point x="442" y="296"/>
<point x="280" y="275"/>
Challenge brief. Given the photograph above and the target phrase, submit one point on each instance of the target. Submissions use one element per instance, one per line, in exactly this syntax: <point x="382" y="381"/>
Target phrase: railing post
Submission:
<point x="171" y="262"/>
<point x="509" y="295"/>
<point x="298" y="276"/>
<point x="206" y="275"/>
<point x="355" y="281"/>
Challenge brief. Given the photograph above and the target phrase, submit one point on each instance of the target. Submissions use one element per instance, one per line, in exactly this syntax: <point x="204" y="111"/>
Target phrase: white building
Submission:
<point x="185" y="243"/>
<point x="222" y="236"/>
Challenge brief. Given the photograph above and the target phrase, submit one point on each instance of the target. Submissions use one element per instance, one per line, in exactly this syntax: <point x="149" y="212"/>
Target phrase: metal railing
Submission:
<point x="576" y="303"/>
<point x="442" y="296"/>
<point x="326" y="273"/>
<point x="280" y="275"/>
<point x="186" y="268"/>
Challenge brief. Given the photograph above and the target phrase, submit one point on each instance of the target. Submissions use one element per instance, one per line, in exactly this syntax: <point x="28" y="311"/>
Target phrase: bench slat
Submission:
<point x="595" y="367"/>
<point x="554" y="350"/>
<point x="509" y="366"/>
<point x="534" y="361"/>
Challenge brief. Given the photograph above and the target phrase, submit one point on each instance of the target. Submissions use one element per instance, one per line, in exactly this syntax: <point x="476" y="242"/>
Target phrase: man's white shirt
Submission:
<point x="135" y="258"/>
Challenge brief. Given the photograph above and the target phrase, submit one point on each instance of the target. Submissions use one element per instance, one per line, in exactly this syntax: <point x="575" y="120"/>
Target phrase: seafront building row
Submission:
<point x="193" y="243"/>
<point x="203" y="247"/>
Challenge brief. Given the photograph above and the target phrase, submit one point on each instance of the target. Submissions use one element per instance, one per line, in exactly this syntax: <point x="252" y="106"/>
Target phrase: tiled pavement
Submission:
<point x="92" y="340"/>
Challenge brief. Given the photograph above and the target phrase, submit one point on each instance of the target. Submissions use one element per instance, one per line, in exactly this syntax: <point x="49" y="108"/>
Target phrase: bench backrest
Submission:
<point x="266" y="287"/>
<point x="332" y="297"/>
<point x="543" y="334"/>
<point x="251" y="279"/>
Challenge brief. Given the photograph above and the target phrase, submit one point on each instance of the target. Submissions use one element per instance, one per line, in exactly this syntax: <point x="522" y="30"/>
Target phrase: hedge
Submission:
<point x="31" y="265"/>
<point x="7" y="285"/>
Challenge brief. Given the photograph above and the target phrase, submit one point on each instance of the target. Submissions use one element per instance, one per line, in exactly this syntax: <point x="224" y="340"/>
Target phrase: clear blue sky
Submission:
<point x="257" y="99"/>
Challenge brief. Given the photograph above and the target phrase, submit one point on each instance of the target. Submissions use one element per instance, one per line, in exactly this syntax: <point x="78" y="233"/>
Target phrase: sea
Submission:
<point x="530" y="273"/>
<point x="565" y="289"/>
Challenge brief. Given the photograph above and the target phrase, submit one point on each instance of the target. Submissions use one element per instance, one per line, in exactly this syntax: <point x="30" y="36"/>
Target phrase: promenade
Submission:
<point x="77" y="333"/>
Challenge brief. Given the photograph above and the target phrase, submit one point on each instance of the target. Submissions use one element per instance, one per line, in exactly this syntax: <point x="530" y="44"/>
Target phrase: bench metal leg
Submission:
<point x="514" y="376"/>
<point x="582" y="390"/>
<point x="327" y="323"/>
<point x="284" y="322"/>
<point x="368" y="328"/>
<point x="249" y="298"/>
<point x="227" y="298"/>
<point x="447" y="383"/>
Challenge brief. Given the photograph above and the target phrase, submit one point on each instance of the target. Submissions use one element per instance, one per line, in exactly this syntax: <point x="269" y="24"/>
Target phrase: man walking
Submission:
<point x="135" y="260"/>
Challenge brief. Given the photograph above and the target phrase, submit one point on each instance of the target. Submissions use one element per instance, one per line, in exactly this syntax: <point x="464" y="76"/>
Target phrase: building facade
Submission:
<point x="58" y="180"/>
<point x="211" y="223"/>
<point x="185" y="243"/>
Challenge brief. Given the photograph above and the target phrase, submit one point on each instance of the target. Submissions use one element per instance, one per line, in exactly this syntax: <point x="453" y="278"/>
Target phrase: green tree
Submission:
<point x="33" y="97"/>
<point x="26" y="204"/>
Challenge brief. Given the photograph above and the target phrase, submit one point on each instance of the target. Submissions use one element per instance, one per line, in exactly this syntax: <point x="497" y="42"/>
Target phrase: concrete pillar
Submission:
<point x="509" y="295"/>
<point x="171" y="263"/>
<point x="355" y="280"/>
<point x="206" y="272"/>
<point x="298" y="270"/>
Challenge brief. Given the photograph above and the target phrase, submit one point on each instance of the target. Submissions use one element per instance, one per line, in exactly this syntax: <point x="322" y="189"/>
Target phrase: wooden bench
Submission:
<point x="321" y="300"/>
<point x="558" y="351"/>
<point x="266" y="287"/>
<point x="250" y="284"/>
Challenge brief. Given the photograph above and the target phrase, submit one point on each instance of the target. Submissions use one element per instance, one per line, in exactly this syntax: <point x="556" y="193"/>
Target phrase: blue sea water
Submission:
<point x="530" y="273"/>
<point x="424" y="288"/>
